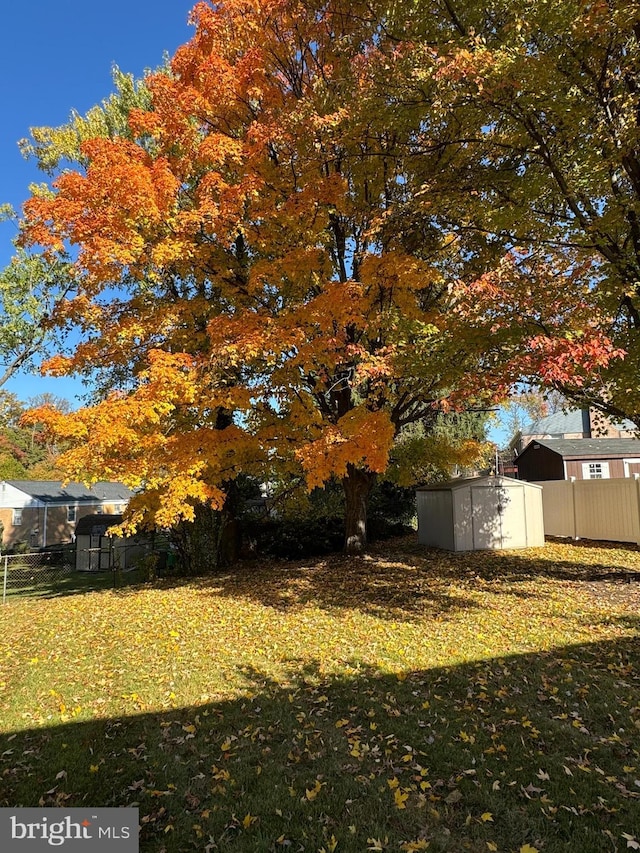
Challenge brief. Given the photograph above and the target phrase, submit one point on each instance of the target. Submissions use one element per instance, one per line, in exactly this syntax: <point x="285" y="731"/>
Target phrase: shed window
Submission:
<point x="17" y="518"/>
<point x="595" y="470"/>
<point x="72" y="513"/>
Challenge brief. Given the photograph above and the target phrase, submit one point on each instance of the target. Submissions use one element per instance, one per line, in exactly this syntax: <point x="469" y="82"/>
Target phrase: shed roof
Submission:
<point x="96" y="524"/>
<point x="579" y="448"/>
<point x="464" y="482"/>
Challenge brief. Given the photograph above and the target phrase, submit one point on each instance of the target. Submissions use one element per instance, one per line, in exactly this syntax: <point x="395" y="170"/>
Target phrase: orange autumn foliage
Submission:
<point x="238" y="277"/>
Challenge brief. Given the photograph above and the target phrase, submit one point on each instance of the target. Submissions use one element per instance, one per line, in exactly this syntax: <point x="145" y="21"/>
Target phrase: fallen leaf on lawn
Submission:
<point x="400" y="798"/>
<point x="312" y="793"/>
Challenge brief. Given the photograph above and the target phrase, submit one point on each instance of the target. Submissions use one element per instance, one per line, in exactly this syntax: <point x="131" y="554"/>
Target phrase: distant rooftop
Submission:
<point x="570" y="421"/>
<point x="558" y="423"/>
<point x="52" y="491"/>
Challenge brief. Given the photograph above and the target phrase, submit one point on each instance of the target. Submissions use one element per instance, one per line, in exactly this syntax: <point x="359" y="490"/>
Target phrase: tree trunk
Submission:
<point x="357" y="486"/>
<point x="209" y="542"/>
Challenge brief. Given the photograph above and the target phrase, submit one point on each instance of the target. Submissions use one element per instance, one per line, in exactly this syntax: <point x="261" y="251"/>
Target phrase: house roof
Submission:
<point x="561" y="423"/>
<point x="52" y="491"/>
<point x="112" y="491"/>
<point x="558" y="423"/>
<point x="579" y="448"/>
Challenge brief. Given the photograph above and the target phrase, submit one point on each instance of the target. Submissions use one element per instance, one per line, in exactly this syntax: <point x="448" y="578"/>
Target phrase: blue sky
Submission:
<point x="55" y="56"/>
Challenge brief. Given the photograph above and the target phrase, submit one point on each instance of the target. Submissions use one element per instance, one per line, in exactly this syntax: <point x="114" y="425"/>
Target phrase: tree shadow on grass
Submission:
<point x="539" y="749"/>
<point x="388" y="590"/>
<point x="557" y="560"/>
<point x="400" y="579"/>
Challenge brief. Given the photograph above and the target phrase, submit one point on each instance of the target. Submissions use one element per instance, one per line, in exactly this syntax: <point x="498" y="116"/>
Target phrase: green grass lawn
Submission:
<point x="410" y="700"/>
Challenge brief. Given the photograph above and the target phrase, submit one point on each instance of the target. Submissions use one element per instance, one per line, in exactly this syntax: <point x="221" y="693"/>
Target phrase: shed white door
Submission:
<point x="498" y="517"/>
<point x="94" y="552"/>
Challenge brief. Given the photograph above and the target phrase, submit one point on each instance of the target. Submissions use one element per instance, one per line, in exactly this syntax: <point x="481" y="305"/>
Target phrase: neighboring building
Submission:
<point x="43" y="513"/>
<point x="581" y="458"/>
<point x="574" y="424"/>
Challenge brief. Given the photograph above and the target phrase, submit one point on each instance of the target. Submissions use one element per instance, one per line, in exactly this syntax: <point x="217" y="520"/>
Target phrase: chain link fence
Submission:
<point x="69" y="569"/>
<point x="24" y="572"/>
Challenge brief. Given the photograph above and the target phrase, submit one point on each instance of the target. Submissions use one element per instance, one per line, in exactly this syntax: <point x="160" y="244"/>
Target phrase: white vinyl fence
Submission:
<point x="592" y="509"/>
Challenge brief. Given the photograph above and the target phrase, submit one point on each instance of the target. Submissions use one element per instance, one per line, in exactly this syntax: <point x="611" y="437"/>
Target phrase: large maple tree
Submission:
<point x="256" y="276"/>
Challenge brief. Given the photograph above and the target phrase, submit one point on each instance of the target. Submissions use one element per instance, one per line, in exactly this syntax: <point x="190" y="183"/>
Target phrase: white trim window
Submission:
<point x="16" y="518"/>
<point x="72" y="514"/>
<point x="595" y="470"/>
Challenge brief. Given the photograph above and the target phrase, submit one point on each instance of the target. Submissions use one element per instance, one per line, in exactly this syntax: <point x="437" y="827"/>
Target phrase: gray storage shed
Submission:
<point x="480" y="513"/>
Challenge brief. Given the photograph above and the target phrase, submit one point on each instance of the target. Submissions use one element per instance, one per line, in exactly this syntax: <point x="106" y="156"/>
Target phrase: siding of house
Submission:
<point x="59" y="530"/>
<point x="574" y="467"/>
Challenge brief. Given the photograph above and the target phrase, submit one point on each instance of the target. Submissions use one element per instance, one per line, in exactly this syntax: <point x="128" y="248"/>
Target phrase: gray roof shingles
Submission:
<point x="561" y="423"/>
<point x="52" y="491"/>
<point x="582" y="447"/>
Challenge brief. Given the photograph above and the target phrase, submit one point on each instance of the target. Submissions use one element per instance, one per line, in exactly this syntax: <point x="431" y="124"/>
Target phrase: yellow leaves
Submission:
<point x="361" y="438"/>
<point x="329" y="658"/>
<point x="527" y="848"/>
<point x="248" y="821"/>
<point x="414" y="846"/>
<point x="394" y="278"/>
<point x="220" y="775"/>
<point x="330" y="847"/>
<point x="400" y="798"/>
<point x="312" y="793"/>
